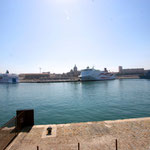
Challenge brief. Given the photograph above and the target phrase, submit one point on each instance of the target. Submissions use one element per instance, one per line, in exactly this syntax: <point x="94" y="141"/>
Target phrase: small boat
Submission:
<point x="145" y="76"/>
<point x="9" y="78"/>
<point x="95" y="75"/>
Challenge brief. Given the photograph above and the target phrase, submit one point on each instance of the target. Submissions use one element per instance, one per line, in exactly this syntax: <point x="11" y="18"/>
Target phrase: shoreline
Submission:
<point x="73" y="80"/>
<point x="46" y="81"/>
<point x="128" y="77"/>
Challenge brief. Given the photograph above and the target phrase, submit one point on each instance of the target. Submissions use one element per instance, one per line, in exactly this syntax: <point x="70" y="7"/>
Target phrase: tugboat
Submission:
<point x="8" y="78"/>
<point x="145" y="76"/>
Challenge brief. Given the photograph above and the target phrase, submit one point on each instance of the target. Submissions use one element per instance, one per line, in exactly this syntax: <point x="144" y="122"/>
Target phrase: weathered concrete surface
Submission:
<point x="132" y="134"/>
<point x="6" y="135"/>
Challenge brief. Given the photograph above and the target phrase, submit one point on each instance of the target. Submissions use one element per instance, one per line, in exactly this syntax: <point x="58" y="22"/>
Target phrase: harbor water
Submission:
<point x="57" y="103"/>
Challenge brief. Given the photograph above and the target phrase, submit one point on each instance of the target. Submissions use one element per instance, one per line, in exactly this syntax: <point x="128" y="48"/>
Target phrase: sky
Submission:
<point x="57" y="34"/>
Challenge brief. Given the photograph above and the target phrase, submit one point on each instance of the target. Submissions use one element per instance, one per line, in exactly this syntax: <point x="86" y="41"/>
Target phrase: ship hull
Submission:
<point x="93" y="79"/>
<point x="8" y="78"/>
<point x="144" y="77"/>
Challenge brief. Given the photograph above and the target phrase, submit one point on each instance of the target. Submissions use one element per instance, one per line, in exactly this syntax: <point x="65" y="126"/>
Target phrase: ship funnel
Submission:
<point x="7" y="72"/>
<point x="105" y="69"/>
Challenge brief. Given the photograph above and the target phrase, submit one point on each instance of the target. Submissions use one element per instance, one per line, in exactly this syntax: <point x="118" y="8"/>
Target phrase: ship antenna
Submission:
<point x="40" y="69"/>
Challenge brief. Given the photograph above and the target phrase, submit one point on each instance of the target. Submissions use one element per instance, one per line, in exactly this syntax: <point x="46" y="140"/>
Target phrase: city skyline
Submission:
<point x="57" y="34"/>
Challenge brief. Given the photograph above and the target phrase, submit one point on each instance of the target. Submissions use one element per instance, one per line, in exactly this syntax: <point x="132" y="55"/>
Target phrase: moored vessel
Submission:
<point x="145" y="76"/>
<point x="95" y="75"/>
<point x="8" y="78"/>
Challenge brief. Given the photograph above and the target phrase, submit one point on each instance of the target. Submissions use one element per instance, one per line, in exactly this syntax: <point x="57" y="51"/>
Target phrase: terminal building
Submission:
<point x="131" y="71"/>
<point x="34" y="76"/>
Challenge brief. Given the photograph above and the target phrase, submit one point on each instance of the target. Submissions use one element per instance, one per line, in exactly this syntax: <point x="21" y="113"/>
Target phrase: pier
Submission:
<point x="128" y="134"/>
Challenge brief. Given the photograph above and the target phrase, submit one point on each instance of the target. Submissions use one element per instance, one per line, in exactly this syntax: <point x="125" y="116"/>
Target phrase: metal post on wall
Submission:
<point x="78" y="146"/>
<point x="116" y="144"/>
<point x="37" y="147"/>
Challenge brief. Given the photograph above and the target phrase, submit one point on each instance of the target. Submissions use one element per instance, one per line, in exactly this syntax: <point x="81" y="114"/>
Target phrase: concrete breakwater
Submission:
<point x="131" y="134"/>
<point x="128" y="77"/>
<point x="49" y="81"/>
<point x="48" y="78"/>
<point x="71" y="80"/>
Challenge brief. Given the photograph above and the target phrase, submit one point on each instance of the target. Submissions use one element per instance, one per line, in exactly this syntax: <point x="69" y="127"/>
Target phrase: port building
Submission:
<point x="131" y="71"/>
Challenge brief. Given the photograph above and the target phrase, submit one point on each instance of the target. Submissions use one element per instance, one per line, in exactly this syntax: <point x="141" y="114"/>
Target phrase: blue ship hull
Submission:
<point x="146" y="76"/>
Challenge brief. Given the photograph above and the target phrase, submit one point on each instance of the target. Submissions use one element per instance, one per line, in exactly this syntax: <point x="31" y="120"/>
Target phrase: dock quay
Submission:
<point x="48" y="81"/>
<point x="128" y="134"/>
<point x="71" y="80"/>
<point x="127" y="77"/>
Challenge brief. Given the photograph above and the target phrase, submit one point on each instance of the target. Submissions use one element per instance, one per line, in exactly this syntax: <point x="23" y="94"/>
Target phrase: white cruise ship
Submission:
<point x="8" y="78"/>
<point x="95" y="75"/>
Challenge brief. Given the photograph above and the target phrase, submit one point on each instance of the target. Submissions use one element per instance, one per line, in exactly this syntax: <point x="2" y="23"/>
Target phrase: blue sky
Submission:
<point x="57" y="34"/>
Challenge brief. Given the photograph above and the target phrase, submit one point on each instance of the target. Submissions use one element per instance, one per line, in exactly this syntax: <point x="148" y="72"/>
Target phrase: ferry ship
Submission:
<point x="8" y="78"/>
<point x="95" y="75"/>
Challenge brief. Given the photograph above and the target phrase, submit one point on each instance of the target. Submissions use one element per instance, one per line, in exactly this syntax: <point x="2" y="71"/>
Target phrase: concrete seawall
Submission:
<point x="131" y="134"/>
<point x="47" y="81"/>
<point x="71" y="80"/>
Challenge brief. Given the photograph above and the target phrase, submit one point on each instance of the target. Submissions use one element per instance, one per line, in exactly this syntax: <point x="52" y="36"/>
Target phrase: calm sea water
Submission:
<point x="77" y="102"/>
